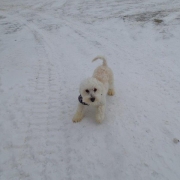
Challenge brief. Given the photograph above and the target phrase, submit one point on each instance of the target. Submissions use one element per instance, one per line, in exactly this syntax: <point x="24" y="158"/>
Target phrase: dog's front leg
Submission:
<point x="100" y="113"/>
<point x="79" y="113"/>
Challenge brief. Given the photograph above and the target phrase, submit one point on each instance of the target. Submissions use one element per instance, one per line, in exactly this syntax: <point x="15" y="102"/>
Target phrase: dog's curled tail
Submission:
<point x="102" y="58"/>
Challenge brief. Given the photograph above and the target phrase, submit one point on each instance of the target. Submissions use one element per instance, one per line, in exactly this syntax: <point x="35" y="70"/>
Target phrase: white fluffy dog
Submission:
<point x="93" y="91"/>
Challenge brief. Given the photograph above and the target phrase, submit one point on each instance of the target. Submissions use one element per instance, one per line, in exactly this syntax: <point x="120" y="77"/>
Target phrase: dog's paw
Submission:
<point x="77" y="118"/>
<point x="111" y="92"/>
<point x="99" y="119"/>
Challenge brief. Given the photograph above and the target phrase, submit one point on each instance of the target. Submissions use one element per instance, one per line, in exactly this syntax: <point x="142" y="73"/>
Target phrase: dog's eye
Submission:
<point x="87" y="90"/>
<point x="95" y="89"/>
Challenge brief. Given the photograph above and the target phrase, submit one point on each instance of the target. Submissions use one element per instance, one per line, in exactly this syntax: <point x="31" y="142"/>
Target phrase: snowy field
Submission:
<point x="46" y="48"/>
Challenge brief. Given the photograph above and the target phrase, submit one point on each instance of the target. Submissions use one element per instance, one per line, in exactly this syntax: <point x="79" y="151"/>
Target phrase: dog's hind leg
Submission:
<point x="79" y="113"/>
<point x="111" y="90"/>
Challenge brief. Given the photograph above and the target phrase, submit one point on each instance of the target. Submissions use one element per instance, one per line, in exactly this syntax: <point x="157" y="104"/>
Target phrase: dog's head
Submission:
<point x="91" y="91"/>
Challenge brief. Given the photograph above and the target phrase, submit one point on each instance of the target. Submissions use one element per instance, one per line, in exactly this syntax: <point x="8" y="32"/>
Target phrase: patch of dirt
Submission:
<point x="146" y="17"/>
<point x="10" y="28"/>
<point x="158" y="21"/>
<point x="2" y="17"/>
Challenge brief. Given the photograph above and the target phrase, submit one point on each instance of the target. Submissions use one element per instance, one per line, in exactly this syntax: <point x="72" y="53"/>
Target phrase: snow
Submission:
<point x="46" y="48"/>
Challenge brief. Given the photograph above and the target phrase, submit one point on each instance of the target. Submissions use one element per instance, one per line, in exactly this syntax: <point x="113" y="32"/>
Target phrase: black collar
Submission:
<point x="81" y="100"/>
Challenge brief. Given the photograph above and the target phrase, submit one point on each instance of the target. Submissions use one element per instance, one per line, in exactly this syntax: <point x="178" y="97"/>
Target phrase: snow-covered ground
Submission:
<point x="46" y="48"/>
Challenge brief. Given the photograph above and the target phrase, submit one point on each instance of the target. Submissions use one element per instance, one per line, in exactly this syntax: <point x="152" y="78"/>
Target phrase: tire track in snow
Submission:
<point x="45" y="105"/>
<point x="48" y="123"/>
<point x="41" y="129"/>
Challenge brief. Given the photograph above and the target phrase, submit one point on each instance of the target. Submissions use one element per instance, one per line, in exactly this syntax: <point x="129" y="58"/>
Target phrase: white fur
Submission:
<point x="98" y="86"/>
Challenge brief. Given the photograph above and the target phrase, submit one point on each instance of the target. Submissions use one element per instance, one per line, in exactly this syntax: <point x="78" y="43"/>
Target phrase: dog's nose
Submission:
<point x="92" y="99"/>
